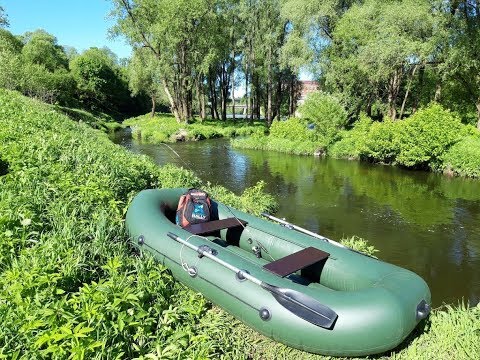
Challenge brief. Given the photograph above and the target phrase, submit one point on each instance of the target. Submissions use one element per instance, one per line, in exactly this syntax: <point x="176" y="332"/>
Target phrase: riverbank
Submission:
<point x="71" y="286"/>
<point x="432" y="139"/>
<point x="164" y="128"/>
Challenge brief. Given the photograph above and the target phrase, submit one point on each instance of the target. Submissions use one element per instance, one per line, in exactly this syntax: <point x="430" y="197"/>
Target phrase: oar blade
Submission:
<point x="303" y="306"/>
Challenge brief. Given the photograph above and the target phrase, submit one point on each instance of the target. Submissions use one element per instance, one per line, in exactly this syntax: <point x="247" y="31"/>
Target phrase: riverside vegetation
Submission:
<point x="72" y="287"/>
<point x="164" y="128"/>
<point x="432" y="139"/>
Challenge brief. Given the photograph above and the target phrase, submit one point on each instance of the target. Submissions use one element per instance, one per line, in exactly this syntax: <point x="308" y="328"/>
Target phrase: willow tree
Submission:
<point x="377" y="52"/>
<point x="174" y="32"/>
<point x="462" y="49"/>
<point x="143" y="76"/>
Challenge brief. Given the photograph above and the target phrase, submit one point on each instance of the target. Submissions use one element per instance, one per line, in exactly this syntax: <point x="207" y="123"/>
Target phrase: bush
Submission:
<point x="381" y="143"/>
<point x="353" y="141"/>
<point x="164" y="127"/>
<point x="463" y="158"/>
<point x="292" y="129"/>
<point x="426" y="135"/>
<point x="326" y="112"/>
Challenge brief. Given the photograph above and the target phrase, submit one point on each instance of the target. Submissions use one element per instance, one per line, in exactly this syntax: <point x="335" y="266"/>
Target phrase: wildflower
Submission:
<point x="26" y="222"/>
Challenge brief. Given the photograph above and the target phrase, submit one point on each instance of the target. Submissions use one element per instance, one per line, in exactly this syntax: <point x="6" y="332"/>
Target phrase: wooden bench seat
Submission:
<point x="296" y="261"/>
<point x="214" y="225"/>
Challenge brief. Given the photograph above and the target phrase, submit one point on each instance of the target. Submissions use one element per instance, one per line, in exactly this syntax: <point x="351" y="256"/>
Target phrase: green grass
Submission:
<point x="271" y="143"/>
<point x="291" y="136"/>
<point x="99" y="120"/>
<point x="71" y="287"/>
<point x="164" y="128"/>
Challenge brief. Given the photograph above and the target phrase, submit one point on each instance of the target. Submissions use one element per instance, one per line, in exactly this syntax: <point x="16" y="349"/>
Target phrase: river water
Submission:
<point x="424" y="222"/>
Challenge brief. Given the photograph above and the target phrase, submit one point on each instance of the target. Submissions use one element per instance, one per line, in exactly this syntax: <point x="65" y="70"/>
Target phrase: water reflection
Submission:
<point x="421" y="221"/>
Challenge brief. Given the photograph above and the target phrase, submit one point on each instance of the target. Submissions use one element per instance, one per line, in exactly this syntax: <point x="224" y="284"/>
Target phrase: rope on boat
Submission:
<point x="192" y="270"/>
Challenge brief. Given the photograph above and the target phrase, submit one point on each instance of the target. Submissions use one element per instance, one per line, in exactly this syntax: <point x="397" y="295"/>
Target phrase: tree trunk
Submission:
<point x="173" y="104"/>
<point x="393" y="87"/>
<point x="269" y="90"/>
<point x="232" y="77"/>
<point x="278" y="99"/>
<point x="152" y="114"/>
<point x="247" y="99"/>
<point x="407" y="91"/>
<point x="421" y="81"/>
<point x="438" y="91"/>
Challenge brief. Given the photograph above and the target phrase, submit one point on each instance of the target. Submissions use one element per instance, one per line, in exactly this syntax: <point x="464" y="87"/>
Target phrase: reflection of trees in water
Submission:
<point x="420" y="198"/>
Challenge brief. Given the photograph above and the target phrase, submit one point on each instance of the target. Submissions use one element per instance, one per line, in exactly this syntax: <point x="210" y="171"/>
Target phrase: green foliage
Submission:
<point x="426" y="135"/>
<point x="164" y="128"/>
<point x="9" y="42"/>
<point x="359" y="244"/>
<point x="41" y="48"/>
<point x="100" y="81"/>
<point x="69" y="284"/>
<point x="463" y="158"/>
<point x="326" y="112"/>
<point x="292" y="129"/>
<point x="381" y="143"/>
<point x="352" y="142"/>
<point x="3" y="18"/>
<point x="253" y="199"/>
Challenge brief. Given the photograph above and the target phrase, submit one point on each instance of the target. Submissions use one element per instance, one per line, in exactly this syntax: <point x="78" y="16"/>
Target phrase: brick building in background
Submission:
<point x="307" y="86"/>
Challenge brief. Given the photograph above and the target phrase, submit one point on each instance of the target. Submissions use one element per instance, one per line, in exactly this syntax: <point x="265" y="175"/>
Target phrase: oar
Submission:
<point x="311" y="233"/>
<point x="296" y="302"/>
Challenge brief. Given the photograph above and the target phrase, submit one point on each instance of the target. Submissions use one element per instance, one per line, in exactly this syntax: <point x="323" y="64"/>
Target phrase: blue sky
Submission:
<point x="78" y="23"/>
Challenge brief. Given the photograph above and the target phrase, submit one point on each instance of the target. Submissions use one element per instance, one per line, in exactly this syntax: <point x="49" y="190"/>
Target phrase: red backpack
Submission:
<point x="193" y="208"/>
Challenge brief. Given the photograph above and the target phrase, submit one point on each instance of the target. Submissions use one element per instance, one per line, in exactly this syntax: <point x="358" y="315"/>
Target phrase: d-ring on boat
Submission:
<point x="293" y="286"/>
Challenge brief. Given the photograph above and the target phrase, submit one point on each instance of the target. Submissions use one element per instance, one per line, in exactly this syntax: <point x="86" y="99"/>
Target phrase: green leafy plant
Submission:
<point x="463" y="158"/>
<point x="326" y="112"/>
<point x="426" y="135"/>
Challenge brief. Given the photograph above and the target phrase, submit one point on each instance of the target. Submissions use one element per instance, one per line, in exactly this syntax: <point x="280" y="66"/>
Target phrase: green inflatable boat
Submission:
<point x="291" y="285"/>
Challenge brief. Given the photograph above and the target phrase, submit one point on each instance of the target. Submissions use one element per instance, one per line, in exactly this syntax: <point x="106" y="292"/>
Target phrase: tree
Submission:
<point x="41" y="48"/>
<point x="462" y="50"/>
<point x="378" y="49"/>
<point x="101" y="84"/>
<point x="3" y="18"/>
<point x="174" y="32"/>
<point x="143" y="76"/>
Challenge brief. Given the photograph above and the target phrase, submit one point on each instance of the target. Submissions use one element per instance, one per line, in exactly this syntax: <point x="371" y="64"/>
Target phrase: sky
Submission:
<point x="78" y="23"/>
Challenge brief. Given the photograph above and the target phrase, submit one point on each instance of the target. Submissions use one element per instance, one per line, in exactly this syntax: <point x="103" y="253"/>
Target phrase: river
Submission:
<point x="421" y="221"/>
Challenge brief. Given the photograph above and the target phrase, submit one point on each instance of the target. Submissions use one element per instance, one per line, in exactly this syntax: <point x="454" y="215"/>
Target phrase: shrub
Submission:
<point x="164" y="127"/>
<point x="426" y="135"/>
<point x="380" y="143"/>
<point x="326" y="112"/>
<point x="463" y="158"/>
<point x="352" y="142"/>
<point x="292" y="129"/>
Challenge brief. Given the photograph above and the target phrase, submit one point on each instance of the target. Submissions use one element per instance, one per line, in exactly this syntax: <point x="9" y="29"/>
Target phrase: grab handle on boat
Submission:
<point x="294" y="301"/>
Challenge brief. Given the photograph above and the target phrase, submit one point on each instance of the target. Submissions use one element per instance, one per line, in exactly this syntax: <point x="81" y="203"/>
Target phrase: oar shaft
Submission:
<point x="305" y="231"/>
<point x="215" y="259"/>
<point x="296" y="302"/>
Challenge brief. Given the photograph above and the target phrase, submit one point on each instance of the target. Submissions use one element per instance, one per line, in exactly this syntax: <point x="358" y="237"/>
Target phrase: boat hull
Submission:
<point x="377" y="303"/>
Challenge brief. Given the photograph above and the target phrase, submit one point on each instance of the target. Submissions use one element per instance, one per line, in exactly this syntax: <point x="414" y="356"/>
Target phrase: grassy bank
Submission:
<point x="432" y="139"/>
<point x="164" y="128"/>
<point x="70" y="286"/>
<point x="69" y="283"/>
